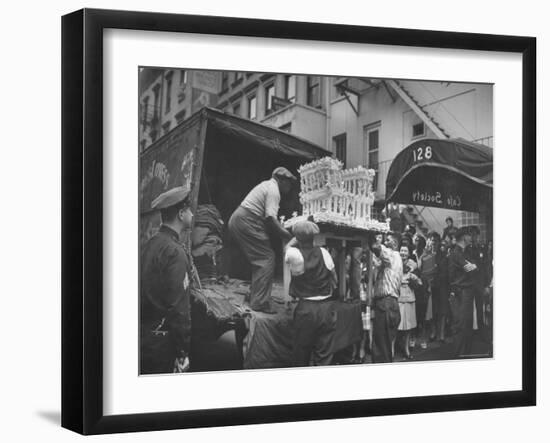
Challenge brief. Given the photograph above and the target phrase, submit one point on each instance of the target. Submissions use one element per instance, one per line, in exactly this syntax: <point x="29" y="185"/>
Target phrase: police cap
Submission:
<point x="170" y="198"/>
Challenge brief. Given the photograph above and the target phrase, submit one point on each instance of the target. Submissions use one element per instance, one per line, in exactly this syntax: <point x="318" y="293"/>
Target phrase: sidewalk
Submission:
<point x="482" y="347"/>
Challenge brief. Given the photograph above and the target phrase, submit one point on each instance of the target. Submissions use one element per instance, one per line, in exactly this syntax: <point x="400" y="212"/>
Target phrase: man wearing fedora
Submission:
<point x="463" y="275"/>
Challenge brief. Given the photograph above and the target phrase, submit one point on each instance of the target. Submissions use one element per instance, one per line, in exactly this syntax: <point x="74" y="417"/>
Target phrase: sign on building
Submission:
<point x="207" y="81"/>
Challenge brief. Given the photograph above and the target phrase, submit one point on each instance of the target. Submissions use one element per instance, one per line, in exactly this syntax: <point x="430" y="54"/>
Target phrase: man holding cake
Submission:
<point x="313" y="280"/>
<point x="250" y="226"/>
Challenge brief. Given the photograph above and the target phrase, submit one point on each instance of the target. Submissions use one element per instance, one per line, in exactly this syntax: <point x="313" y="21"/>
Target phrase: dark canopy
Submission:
<point x="263" y="136"/>
<point x="449" y="173"/>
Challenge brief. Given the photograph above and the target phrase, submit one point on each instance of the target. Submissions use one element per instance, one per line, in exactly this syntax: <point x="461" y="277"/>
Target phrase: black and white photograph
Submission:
<point x="275" y="221"/>
<point x="289" y="220"/>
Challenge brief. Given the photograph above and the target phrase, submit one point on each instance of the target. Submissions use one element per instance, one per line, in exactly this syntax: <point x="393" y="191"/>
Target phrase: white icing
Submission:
<point x="337" y="196"/>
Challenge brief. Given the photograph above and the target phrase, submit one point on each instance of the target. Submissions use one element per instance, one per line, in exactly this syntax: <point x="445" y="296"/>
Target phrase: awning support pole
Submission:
<point x="345" y="94"/>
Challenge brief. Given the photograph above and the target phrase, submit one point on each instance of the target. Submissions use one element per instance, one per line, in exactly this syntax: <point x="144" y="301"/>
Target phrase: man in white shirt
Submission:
<point x="250" y="226"/>
<point x="387" y="287"/>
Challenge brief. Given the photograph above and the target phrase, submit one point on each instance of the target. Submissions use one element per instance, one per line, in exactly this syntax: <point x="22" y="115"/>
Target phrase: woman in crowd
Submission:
<point x="427" y="266"/>
<point x="421" y="294"/>
<point x="407" y="298"/>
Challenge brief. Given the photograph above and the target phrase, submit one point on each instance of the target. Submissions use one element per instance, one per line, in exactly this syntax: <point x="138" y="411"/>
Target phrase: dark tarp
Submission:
<point x="268" y="343"/>
<point x="226" y="141"/>
<point x="222" y="157"/>
<point x="264" y="136"/>
<point x="442" y="173"/>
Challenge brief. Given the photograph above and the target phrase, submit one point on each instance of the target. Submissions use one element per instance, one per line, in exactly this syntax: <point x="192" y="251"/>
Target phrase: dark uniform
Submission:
<point x="474" y="254"/>
<point x="440" y="290"/>
<point x="165" y="316"/>
<point x="462" y="285"/>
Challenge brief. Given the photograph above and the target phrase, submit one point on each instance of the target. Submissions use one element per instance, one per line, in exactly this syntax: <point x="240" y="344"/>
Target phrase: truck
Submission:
<point x="221" y="157"/>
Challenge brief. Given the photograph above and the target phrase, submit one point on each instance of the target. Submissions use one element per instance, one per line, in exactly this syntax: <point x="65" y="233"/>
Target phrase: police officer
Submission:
<point x="165" y="315"/>
<point x="475" y="254"/>
<point x="462" y="278"/>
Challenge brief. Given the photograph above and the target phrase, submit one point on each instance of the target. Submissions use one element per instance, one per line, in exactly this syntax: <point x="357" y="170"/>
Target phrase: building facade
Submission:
<point x="363" y="121"/>
<point x="366" y="121"/>
<point x="294" y="103"/>
<point x="168" y="96"/>
<point x="372" y="120"/>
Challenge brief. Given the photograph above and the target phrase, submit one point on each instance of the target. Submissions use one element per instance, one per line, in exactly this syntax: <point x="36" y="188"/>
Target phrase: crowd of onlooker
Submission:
<point x="430" y="297"/>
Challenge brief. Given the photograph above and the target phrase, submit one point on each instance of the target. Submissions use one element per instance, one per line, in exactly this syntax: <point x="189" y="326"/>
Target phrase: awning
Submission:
<point x="212" y="149"/>
<point x="443" y="173"/>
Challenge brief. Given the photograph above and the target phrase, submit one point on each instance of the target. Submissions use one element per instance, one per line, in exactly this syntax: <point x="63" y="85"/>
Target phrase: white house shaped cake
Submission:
<point x="331" y="194"/>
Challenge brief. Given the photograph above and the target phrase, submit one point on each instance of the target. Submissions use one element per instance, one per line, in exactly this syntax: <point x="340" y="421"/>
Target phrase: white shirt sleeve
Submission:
<point x="327" y="258"/>
<point x="294" y="258"/>
<point x="272" y="200"/>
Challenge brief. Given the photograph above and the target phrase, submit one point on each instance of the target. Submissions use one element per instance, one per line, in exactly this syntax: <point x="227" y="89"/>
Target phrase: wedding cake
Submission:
<point x="331" y="194"/>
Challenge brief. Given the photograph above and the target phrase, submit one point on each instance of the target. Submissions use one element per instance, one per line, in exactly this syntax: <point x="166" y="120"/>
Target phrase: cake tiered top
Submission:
<point x="331" y="194"/>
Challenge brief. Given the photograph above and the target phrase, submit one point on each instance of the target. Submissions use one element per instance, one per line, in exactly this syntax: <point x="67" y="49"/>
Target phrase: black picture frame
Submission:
<point x="82" y="219"/>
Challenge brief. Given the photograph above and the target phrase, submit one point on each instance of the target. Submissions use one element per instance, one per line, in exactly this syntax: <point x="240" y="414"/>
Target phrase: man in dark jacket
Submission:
<point x="166" y="274"/>
<point x="476" y="254"/>
<point x="462" y="279"/>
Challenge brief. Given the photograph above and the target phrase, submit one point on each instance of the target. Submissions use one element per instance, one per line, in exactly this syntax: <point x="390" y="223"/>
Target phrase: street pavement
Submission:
<point x="482" y="347"/>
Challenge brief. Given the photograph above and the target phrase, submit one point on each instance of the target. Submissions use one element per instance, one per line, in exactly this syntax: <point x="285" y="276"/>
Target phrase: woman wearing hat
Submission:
<point x="313" y="278"/>
<point x="250" y="226"/>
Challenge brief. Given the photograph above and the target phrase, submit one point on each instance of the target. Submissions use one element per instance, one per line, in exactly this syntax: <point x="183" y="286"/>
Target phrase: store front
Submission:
<point x="452" y="174"/>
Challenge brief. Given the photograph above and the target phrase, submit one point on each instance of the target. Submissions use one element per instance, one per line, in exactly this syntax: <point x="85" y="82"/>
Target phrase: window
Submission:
<point x="474" y="219"/>
<point x="314" y="91"/>
<point x="286" y="127"/>
<point x="340" y="150"/>
<point x="156" y="92"/>
<point x="180" y="116"/>
<point x="166" y="127"/>
<point x="153" y="133"/>
<point x="237" y="108"/>
<point x="183" y="77"/>
<point x="371" y="146"/>
<point x="290" y="88"/>
<point x="269" y="93"/>
<point x="252" y="107"/>
<point x="168" y="92"/>
<point x="238" y="78"/>
<point x="144" y="112"/>
<point x="182" y="85"/>
<point x="225" y="81"/>
<point x="418" y="130"/>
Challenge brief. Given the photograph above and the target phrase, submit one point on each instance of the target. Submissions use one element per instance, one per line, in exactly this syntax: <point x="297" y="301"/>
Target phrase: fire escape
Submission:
<point x="353" y="88"/>
<point x="413" y="214"/>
